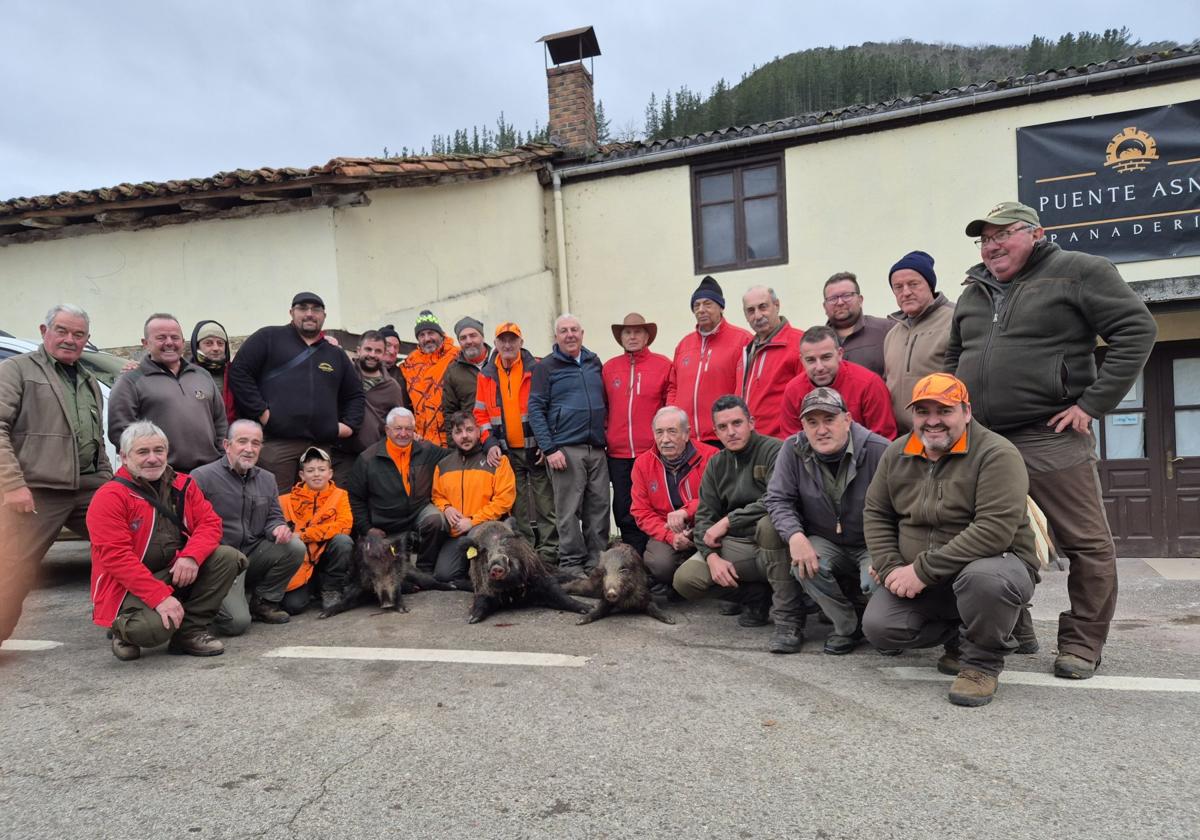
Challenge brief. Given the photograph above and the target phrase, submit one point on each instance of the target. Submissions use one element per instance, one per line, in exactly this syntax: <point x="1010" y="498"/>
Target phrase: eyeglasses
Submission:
<point x="842" y="298"/>
<point x="1000" y="236"/>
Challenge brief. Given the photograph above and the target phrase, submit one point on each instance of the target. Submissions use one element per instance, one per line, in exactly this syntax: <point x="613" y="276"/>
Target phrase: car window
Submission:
<point x="104" y="366"/>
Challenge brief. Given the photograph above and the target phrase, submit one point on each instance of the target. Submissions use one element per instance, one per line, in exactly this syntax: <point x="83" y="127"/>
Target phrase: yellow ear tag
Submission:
<point x="392" y="548"/>
<point x="472" y="552"/>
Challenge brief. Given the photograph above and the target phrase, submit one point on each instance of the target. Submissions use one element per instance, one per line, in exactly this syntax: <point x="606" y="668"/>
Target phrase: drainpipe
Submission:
<point x="560" y="240"/>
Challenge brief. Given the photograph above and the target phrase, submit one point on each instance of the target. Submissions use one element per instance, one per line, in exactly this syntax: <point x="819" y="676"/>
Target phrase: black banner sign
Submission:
<point x="1125" y="186"/>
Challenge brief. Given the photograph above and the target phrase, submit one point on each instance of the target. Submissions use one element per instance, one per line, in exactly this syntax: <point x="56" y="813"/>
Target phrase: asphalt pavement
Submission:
<point x="632" y="728"/>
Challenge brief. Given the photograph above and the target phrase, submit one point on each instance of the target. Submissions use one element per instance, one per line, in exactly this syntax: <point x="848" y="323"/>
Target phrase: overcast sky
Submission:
<point x="99" y="93"/>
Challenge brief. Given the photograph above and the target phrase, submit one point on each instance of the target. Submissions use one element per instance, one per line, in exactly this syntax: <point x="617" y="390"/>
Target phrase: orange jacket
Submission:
<point x="473" y="487"/>
<point x="489" y="404"/>
<point x="423" y="373"/>
<point x="316" y="518"/>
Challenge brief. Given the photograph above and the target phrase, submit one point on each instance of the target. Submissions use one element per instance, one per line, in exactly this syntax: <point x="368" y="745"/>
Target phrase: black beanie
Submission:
<point x="919" y="262"/>
<point x="389" y="331"/>
<point x="709" y="288"/>
<point x="426" y="320"/>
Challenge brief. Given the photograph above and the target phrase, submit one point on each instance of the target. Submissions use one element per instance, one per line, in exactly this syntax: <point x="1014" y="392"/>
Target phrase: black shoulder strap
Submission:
<point x="158" y="505"/>
<point x="298" y="359"/>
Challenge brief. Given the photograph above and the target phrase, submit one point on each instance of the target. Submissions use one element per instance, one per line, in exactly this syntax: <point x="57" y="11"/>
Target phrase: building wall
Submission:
<point x="853" y="203"/>
<point x="240" y="272"/>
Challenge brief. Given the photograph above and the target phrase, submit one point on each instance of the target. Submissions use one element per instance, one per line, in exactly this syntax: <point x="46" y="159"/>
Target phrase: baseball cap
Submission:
<point x="822" y="399"/>
<point x="508" y="327"/>
<point x="942" y="388"/>
<point x="307" y="297"/>
<point x="315" y="450"/>
<point x="1004" y="213"/>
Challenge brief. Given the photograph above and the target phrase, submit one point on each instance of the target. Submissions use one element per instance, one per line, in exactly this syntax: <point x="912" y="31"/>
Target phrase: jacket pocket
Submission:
<point x="1058" y="378"/>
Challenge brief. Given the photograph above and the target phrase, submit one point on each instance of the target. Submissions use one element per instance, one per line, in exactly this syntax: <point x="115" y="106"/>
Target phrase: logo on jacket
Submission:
<point x="653" y="486"/>
<point x="326" y="367"/>
<point x="135" y="525"/>
<point x="617" y="382"/>
<point x="200" y="395"/>
<point x="686" y="360"/>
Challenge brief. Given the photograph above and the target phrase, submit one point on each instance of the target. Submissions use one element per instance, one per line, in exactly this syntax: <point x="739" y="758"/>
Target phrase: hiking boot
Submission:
<point x="948" y="663"/>
<point x="330" y="598"/>
<point x="755" y="614"/>
<point x="728" y="608"/>
<point x="837" y="645"/>
<point x="267" y="612"/>
<point x="125" y="651"/>
<point x="195" y="643"/>
<point x="1072" y="667"/>
<point x="889" y="651"/>
<point x="972" y="688"/>
<point x="1028" y="646"/>
<point x="787" y="638"/>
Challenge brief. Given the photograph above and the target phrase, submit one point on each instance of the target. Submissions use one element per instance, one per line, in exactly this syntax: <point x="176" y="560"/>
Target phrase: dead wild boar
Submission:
<point x="507" y="573"/>
<point x="385" y="568"/>
<point x="620" y="582"/>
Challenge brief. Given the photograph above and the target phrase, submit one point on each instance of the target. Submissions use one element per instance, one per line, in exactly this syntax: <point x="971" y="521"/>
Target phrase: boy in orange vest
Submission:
<point x="318" y="511"/>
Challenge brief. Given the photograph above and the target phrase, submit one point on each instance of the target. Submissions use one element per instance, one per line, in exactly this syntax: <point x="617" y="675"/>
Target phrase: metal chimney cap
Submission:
<point x="572" y="45"/>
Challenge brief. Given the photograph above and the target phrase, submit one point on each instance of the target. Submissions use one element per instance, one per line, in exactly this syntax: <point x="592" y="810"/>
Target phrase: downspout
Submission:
<point x="560" y="240"/>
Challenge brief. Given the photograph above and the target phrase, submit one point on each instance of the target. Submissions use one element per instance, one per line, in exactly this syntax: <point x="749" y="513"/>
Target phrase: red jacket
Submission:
<point x="773" y="367"/>
<point x="120" y="523"/>
<point x="635" y="385"/>
<point x="652" y="501"/>
<point x="704" y="368"/>
<point x="866" y="395"/>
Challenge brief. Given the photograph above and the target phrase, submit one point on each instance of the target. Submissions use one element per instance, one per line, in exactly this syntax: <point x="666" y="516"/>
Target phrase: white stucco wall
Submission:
<point x="853" y="203"/>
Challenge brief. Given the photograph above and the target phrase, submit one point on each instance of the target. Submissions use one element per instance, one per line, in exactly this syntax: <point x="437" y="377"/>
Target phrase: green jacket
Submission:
<point x="1027" y="353"/>
<point x="914" y="349"/>
<point x="941" y="515"/>
<point x="733" y="485"/>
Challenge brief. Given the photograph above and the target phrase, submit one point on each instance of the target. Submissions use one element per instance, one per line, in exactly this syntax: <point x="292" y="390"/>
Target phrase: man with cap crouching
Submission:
<point x="950" y="541"/>
<point x="159" y="571"/>
<point x="300" y="388"/>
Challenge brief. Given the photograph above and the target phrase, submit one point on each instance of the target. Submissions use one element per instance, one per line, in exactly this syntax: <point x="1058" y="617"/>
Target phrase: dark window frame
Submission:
<point x="737" y="167"/>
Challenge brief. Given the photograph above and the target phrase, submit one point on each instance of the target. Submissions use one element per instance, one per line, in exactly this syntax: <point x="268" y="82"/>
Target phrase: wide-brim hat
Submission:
<point x="634" y="319"/>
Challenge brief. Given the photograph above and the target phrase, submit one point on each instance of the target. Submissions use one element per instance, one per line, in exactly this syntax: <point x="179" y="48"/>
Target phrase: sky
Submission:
<point x="98" y="94"/>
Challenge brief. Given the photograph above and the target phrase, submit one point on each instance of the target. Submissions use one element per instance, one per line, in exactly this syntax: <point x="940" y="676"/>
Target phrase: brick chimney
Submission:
<point x="569" y="84"/>
<point x="572" y="108"/>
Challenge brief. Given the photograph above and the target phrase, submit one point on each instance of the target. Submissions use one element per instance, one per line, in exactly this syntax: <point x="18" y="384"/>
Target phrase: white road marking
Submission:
<point x="28" y="644"/>
<point x="1175" y="568"/>
<point x="1109" y="683"/>
<point x="468" y="657"/>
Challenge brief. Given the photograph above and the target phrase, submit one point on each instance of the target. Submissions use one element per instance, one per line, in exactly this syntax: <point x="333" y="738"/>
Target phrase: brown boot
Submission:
<point x="267" y="612"/>
<point x="125" y="651"/>
<point x="972" y="688"/>
<point x="948" y="662"/>
<point x="195" y="643"/>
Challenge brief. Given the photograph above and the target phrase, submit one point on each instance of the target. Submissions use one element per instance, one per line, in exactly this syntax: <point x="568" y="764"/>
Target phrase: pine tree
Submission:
<point x="602" y="128"/>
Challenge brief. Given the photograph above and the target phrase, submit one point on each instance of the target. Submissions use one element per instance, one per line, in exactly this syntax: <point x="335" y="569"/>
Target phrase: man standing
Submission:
<point x="391" y="344"/>
<point x="501" y="413"/>
<point x="245" y="497"/>
<point x="816" y="498"/>
<point x="51" y="452"/>
<point x="954" y="567"/>
<point x="467" y="490"/>
<point x="769" y="362"/>
<point x="382" y="393"/>
<point x="159" y="572"/>
<point x="740" y="553"/>
<point x="705" y="362"/>
<point x="567" y="414"/>
<point x="423" y="370"/>
<point x="391" y="488"/>
<point x="460" y="382"/>
<point x="861" y="336"/>
<point x="1022" y="339"/>
<point x="177" y="396"/>
<point x="916" y="345"/>
<point x="635" y="387"/>
<point x="210" y="350"/>
<point x="864" y="393"/>
<point x="301" y="389"/>
<point x="666" y="493"/>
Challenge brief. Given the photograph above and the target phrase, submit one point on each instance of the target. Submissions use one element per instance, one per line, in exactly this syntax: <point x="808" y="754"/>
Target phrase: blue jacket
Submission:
<point x="566" y="401"/>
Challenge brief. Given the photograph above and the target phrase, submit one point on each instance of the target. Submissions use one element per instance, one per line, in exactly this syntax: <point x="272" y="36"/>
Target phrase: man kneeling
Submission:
<point x="950" y="541"/>
<point x="159" y="572"/>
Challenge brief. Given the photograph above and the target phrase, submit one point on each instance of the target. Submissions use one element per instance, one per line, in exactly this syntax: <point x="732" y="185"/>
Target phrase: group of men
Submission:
<point x="874" y="469"/>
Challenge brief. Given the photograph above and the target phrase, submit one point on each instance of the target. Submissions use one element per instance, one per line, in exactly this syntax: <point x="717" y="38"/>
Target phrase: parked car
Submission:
<point x="104" y="366"/>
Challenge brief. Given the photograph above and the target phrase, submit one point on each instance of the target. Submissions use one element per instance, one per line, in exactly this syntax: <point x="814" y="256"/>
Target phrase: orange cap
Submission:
<point x="940" y="387"/>
<point x="508" y="326"/>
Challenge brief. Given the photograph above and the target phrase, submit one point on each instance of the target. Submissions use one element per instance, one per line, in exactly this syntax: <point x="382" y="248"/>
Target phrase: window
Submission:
<point x="739" y="216"/>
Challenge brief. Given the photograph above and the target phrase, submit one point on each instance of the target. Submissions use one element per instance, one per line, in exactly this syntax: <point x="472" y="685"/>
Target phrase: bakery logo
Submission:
<point x="1131" y="151"/>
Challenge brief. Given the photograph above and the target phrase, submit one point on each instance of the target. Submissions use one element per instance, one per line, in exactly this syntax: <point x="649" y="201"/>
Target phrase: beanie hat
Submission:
<point x="426" y="320"/>
<point x="919" y="262"/>
<point x="468" y="321"/>
<point x="210" y="329"/>
<point x="389" y="331"/>
<point x="709" y="289"/>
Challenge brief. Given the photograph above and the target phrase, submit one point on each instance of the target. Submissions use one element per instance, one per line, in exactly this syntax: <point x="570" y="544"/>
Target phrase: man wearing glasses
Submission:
<point x="1022" y="339"/>
<point x="860" y="335"/>
<point x="302" y="389"/>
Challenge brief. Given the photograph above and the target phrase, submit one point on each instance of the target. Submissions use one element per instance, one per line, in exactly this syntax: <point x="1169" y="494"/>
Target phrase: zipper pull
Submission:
<point x="995" y="317"/>
<point x="839" y="526"/>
